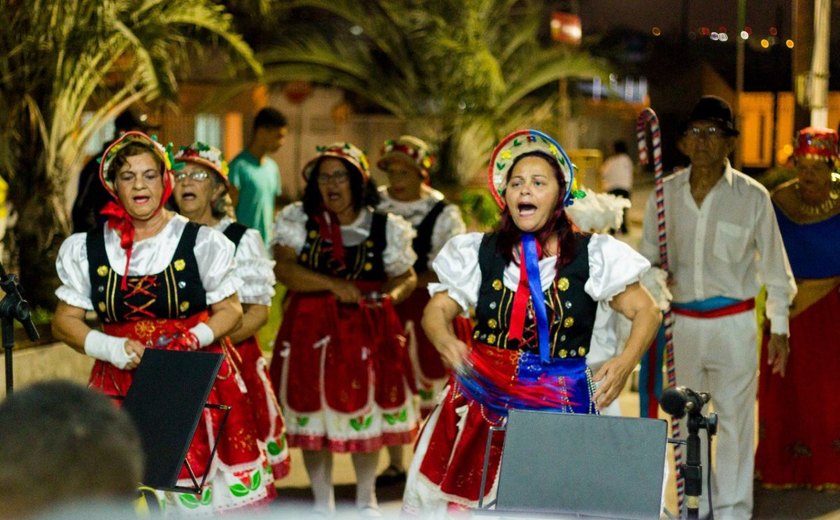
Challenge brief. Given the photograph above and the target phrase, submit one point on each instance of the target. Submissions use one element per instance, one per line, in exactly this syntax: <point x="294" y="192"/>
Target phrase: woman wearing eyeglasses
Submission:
<point x="157" y="280"/>
<point x="340" y="359"/>
<point x="201" y="194"/>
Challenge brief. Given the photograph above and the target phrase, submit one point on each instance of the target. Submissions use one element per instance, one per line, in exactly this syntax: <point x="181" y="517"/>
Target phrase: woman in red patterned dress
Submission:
<point x="156" y="280"/>
<point x="201" y="194"/>
<point x="340" y="358"/>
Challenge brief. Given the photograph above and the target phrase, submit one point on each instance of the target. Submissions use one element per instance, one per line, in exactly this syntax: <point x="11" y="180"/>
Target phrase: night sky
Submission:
<point x="597" y="15"/>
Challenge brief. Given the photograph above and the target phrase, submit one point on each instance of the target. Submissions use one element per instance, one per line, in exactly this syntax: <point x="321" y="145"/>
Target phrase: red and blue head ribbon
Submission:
<point x="530" y="285"/>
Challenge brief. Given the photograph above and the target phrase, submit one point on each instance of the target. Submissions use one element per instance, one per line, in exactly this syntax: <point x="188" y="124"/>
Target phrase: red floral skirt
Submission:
<point x="343" y="374"/>
<point x="268" y="417"/>
<point x="239" y="461"/>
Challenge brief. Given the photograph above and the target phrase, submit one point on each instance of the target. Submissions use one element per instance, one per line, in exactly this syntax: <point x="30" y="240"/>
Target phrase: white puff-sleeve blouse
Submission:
<point x="214" y="254"/>
<point x="253" y="267"/>
<point x="613" y="265"/>
<point x="398" y="256"/>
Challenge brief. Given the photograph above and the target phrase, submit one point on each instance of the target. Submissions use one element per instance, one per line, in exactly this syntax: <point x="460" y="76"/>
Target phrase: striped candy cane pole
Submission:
<point x="648" y="117"/>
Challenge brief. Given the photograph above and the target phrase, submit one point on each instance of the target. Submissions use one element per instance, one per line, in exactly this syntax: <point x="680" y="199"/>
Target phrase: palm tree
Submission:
<point x="59" y="58"/>
<point x="459" y="71"/>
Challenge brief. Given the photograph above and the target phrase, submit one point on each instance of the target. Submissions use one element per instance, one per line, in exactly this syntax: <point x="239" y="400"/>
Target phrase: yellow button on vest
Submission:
<point x="313" y="234"/>
<point x="563" y="353"/>
<point x="179" y="264"/>
<point x="582" y="351"/>
<point x="184" y="306"/>
<point x="568" y="322"/>
<point x="102" y="270"/>
<point x="497" y="284"/>
<point x="101" y="306"/>
<point x="491" y="338"/>
<point x="369" y="243"/>
<point x="492" y="323"/>
<point x="368" y="266"/>
<point x="563" y="283"/>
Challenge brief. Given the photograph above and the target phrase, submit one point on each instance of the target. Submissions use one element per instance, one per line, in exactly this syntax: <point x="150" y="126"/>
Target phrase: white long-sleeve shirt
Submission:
<point x="728" y="246"/>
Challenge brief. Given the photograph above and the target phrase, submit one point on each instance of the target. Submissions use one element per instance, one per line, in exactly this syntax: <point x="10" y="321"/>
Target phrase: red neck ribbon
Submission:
<point x="520" y="298"/>
<point x="120" y="221"/>
<point x="330" y="229"/>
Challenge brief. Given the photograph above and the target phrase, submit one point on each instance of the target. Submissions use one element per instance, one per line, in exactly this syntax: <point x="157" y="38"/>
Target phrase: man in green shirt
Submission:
<point x="256" y="176"/>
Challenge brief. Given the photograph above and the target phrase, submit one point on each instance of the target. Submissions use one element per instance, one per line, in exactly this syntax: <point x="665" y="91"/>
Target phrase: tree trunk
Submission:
<point x="40" y="230"/>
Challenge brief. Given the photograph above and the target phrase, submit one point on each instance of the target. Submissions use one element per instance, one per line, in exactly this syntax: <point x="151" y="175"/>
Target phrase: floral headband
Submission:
<point x="346" y="151"/>
<point x="205" y="155"/>
<point x="411" y="148"/>
<point x="150" y="142"/>
<point x="519" y="143"/>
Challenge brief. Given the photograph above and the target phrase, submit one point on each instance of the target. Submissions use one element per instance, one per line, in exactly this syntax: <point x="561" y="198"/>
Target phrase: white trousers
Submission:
<point x="719" y="356"/>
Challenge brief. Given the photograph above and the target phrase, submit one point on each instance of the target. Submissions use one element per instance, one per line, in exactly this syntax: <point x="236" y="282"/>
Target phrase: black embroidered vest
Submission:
<point x="175" y="293"/>
<point x="361" y="262"/>
<point x="422" y="243"/>
<point x="571" y="312"/>
<point x="234" y="232"/>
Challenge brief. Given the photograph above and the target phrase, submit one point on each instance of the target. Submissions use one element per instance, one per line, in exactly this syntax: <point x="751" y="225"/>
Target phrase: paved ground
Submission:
<point x="769" y="505"/>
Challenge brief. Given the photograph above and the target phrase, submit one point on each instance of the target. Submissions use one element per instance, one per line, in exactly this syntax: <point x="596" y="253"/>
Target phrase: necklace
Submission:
<point x="823" y="208"/>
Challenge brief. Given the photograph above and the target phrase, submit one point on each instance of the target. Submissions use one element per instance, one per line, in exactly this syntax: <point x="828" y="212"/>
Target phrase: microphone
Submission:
<point x="13" y="306"/>
<point x="681" y="400"/>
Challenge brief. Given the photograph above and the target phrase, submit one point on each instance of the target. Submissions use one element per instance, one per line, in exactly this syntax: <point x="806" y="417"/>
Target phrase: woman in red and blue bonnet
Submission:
<point x="340" y="358"/>
<point x="201" y="194"/>
<point x="528" y="353"/>
<point x="799" y="427"/>
<point x="156" y="280"/>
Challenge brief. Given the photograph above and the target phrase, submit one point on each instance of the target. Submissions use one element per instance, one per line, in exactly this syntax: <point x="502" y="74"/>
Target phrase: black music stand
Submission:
<point x="166" y="401"/>
<point x="580" y="466"/>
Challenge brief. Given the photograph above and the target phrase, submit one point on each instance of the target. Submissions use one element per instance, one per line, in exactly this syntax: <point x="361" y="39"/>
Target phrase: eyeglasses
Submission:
<point x="711" y="132"/>
<point x="333" y="178"/>
<point x="197" y="176"/>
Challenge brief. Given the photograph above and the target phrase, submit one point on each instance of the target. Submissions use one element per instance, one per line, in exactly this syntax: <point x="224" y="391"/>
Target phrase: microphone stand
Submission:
<point x="13" y="307"/>
<point x="692" y="468"/>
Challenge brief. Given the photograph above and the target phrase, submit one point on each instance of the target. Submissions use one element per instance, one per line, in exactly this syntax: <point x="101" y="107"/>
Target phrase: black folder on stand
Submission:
<point x="580" y="466"/>
<point x="166" y="401"/>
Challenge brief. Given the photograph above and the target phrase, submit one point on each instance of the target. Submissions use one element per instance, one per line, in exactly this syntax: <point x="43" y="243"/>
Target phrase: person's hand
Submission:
<point x="778" y="351"/>
<point x="135" y="350"/>
<point x="453" y="351"/>
<point x="610" y="378"/>
<point x="346" y="292"/>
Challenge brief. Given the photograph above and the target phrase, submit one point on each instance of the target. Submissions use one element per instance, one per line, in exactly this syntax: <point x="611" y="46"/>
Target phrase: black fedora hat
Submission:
<point x="716" y="110"/>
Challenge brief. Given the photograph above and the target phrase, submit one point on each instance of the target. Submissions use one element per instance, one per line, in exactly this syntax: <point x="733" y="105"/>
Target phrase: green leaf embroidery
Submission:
<point x="256" y="480"/>
<point x="425" y="394"/>
<point x="188" y="500"/>
<point x="239" y="490"/>
<point x="368" y="421"/>
<point x="273" y="448"/>
<point x="390" y="418"/>
<point x="302" y="420"/>
<point x="355" y="424"/>
<point x="403" y="415"/>
<point x="207" y="497"/>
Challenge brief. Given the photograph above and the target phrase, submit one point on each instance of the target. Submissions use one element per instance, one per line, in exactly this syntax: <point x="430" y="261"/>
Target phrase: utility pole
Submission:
<point x="739" y="66"/>
<point x="819" y="63"/>
<point x="802" y="22"/>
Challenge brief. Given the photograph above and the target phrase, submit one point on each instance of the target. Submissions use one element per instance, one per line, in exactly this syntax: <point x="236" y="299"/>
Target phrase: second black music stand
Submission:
<point x="166" y="401"/>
